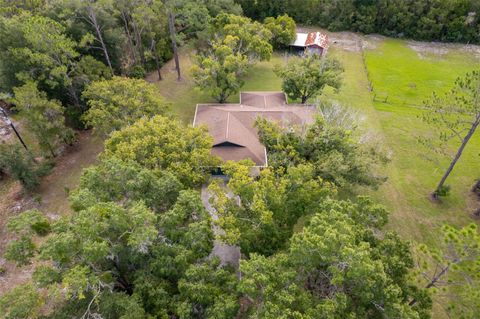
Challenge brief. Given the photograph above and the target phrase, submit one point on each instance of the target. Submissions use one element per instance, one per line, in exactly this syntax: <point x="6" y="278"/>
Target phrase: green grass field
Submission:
<point x="407" y="78"/>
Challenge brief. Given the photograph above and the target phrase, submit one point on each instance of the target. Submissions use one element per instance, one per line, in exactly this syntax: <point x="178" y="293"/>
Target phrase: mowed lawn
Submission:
<point x="184" y="96"/>
<point x="407" y="78"/>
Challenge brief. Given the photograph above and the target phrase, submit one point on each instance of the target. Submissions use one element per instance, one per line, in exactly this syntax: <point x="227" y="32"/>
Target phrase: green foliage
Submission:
<point x="132" y="228"/>
<point x="20" y="165"/>
<point x="269" y="206"/>
<point x="445" y="20"/>
<point x="220" y="71"/>
<point x="332" y="150"/>
<point x="137" y="72"/>
<point x="443" y="191"/>
<point x="234" y="43"/>
<point x="115" y="180"/>
<point x="283" y="29"/>
<point x="163" y="143"/>
<point x="120" y="102"/>
<point x="306" y="77"/>
<point x="249" y="38"/>
<point x="24" y="226"/>
<point x="20" y="250"/>
<point x="453" y="269"/>
<point x="208" y="291"/>
<point x="93" y="25"/>
<point x="460" y="102"/>
<point x="332" y="268"/>
<point x="22" y="302"/>
<point x="40" y="51"/>
<point x="29" y="222"/>
<point x="43" y="117"/>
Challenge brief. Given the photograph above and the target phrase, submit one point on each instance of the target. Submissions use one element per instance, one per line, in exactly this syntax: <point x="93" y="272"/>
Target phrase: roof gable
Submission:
<point x="232" y="126"/>
<point x="311" y="39"/>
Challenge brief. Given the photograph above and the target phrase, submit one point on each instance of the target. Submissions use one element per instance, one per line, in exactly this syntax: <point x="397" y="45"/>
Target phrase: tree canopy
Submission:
<point x="305" y="78"/>
<point x="43" y="117"/>
<point x="432" y="20"/>
<point x="335" y="153"/>
<point x="136" y="242"/>
<point x="164" y="143"/>
<point x="269" y="207"/>
<point x="233" y="44"/>
<point x="334" y="268"/>
<point x="220" y="71"/>
<point x="283" y="29"/>
<point x="252" y="38"/>
<point x="119" y="102"/>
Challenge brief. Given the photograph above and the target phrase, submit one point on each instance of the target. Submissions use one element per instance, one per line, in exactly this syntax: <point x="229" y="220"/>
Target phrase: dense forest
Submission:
<point x="432" y="20"/>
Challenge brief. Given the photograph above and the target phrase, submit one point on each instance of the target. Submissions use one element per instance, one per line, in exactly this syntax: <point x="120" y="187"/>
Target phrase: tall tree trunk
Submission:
<point x="157" y="62"/>
<point x="73" y="93"/>
<point x="138" y="40"/>
<point x="171" y="27"/>
<point x="129" y="37"/>
<point x="93" y="18"/>
<point x="457" y="156"/>
<point x="51" y="150"/>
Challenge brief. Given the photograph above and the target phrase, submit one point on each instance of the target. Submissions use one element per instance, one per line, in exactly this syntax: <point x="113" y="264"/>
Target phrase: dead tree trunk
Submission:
<point x="98" y="30"/>
<point x="138" y="41"/>
<point x="171" y="27"/>
<point x="129" y="37"/>
<point x="457" y="156"/>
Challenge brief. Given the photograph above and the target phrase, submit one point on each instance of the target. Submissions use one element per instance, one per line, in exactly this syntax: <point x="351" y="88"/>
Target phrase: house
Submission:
<point x="311" y="43"/>
<point x="232" y="126"/>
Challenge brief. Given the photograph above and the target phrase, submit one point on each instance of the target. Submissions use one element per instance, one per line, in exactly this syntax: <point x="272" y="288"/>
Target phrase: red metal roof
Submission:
<point x="317" y="38"/>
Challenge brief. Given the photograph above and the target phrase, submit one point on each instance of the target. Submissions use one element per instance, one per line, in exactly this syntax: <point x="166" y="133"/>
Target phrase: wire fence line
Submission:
<point x="384" y="97"/>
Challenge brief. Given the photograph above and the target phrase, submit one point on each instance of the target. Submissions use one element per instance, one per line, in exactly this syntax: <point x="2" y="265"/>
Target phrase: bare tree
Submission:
<point x="93" y="21"/>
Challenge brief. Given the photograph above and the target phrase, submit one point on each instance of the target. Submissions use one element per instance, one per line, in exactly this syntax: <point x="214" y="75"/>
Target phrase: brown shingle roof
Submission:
<point x="232" y="125"/>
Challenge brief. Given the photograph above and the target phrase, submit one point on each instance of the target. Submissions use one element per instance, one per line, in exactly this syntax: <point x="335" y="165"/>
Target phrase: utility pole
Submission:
<point x="9" y="122"/>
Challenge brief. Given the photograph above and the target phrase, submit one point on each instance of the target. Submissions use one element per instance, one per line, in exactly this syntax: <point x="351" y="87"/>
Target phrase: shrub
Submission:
<point x="20" y="165"/>
<point x="137" y="72"/>
<point x="442" y="191"/>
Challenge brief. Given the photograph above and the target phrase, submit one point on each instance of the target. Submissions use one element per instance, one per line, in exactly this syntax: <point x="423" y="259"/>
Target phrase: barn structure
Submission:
<point x="232" y="126"/>
<point x="311" y="43"/>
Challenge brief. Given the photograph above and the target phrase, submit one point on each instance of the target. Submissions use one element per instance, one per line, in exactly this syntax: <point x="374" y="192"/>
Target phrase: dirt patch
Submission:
<point x="437" y="48"/>
<point x="423" y="48"/>
<point x="372" y="41"/>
